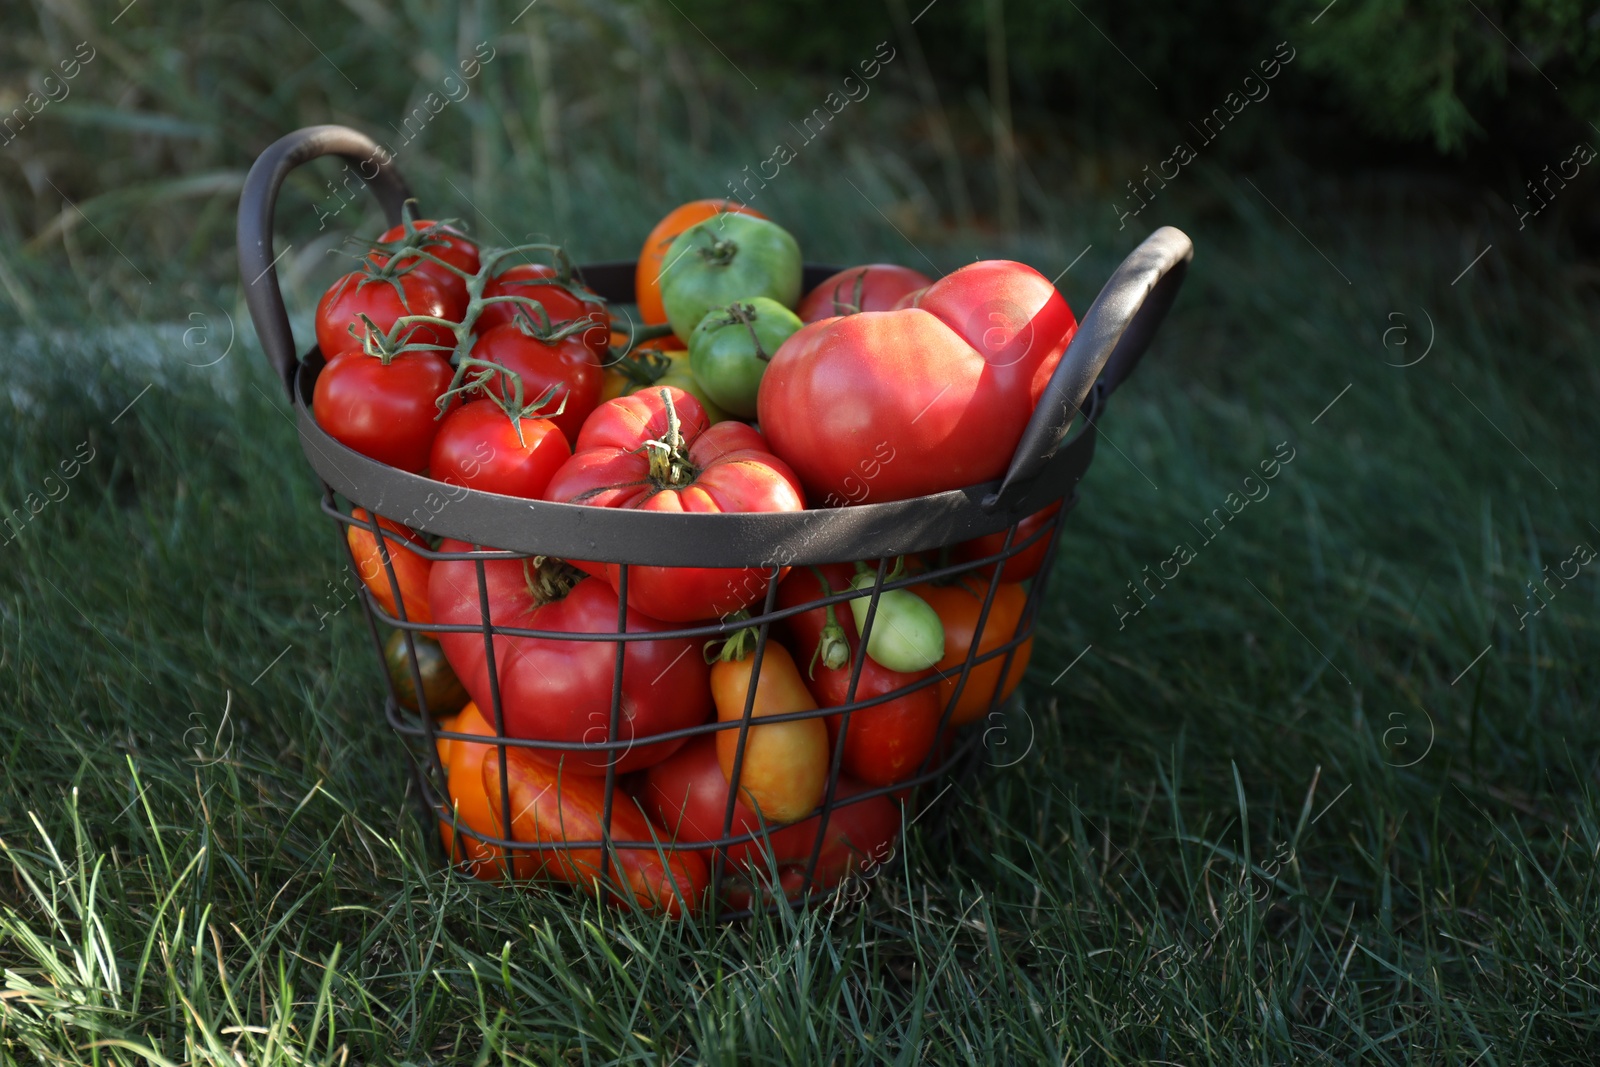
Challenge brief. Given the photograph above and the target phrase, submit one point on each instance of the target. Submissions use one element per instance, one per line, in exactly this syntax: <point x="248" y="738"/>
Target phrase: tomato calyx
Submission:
<point x="413" y="244"/>
<point x="642" y="367"/>
<point x="472" y="378"/>
<point x="833" y="648"/>
<point x="719" y="252"/>
<point x="632" y="349"/>
<point x="384" y="347"/>
<point x="745" y="314"/>
<point x="476" y="301"/>
<point x="894" y="573"/>
<point x="737" y="645"/>
<point x="670" y="466"/>
<point x="534" y="321"/>
<point x="550" y="579"/>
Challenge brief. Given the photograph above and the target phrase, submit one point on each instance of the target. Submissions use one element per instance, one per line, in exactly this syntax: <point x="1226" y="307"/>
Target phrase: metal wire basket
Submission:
<point x="1020" y="516"/>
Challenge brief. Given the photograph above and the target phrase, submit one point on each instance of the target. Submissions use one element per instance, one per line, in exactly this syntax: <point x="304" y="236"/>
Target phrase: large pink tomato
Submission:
<point x="560" y="690"/>
<point x="894" y="404"/>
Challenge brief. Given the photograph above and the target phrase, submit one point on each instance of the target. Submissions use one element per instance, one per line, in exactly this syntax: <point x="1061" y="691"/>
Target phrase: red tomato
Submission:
<point x="411" y="571"/>
<point x="687" y="796"/>
<point x="647" y="275"/>
<point x="446" y="242"/>
<point x="886" y="742"/>
<point x="550" y="807"/>
<point x="340" y="325"/>
<point x="689" y="467"/>
<point x="1026" y="563"/>
<point x="480" y="447"/>
<point x="542" y="282"/>
<point x="568" y="364"/>
<point x="874" y="287"/>
<point x="383" y="408"/>
<point x="919" y="400"/>
<point x="859" y="837"/>
<point x="557" y="690"/>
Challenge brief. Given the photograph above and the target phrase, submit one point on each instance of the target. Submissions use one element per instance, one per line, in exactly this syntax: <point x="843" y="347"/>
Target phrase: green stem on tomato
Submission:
<point x="745" y="315"/>
<point x="734" y="646"/>
<point x="670" y="466"/>
<point x="833" y="647"/>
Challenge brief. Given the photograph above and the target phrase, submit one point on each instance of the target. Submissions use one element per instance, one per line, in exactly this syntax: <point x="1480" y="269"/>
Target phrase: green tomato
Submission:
<point x="441" y="687"/>
<point x="906" y="632"/>
<point x="725" y="259"/>
<point x="730" y="348"/>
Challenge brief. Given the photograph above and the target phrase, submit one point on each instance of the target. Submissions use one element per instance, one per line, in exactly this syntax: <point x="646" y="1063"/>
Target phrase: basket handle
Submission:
<point x="1114" y="334"/>
<point x="259" y="199"/>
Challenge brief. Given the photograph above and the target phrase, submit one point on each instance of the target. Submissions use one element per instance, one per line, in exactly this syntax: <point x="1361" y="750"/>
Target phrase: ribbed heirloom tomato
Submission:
<point x="560" y="690"/>
<point x="945" y="387"/>
<point x="653" y="451"/>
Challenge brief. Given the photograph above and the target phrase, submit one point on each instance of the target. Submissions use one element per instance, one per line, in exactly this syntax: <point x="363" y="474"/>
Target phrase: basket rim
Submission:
<point x="739" y="540"/>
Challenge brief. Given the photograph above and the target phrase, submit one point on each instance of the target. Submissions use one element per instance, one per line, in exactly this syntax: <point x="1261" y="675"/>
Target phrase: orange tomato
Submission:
<point x="410" y="570"/>
<point x="549" y="807"/>
<point x="785" y="768"/>
<point x="647" y="276"/>
<point x="463" y="763"/>
<point x="958" y="607"/>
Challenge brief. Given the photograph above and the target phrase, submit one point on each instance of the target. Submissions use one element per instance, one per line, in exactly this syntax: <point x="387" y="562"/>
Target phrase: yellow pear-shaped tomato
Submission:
<point x="784" y="771"/>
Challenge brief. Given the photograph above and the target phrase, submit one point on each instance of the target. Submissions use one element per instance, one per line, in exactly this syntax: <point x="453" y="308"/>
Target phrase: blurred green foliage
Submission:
<point x="595" y="116"/>
<point x="1437" y="72"/>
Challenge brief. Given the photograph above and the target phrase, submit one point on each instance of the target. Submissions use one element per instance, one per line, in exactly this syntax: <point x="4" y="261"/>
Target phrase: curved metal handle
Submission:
<point x="1114" y="333"/>
<point x="257" y="265"/>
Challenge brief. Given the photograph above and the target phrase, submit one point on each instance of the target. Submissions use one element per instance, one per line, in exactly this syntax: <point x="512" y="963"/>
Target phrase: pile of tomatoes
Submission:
<point x="730" y="390"/>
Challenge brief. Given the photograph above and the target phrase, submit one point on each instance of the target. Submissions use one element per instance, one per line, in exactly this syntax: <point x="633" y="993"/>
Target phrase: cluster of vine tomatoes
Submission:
<point x="731" y="391"/>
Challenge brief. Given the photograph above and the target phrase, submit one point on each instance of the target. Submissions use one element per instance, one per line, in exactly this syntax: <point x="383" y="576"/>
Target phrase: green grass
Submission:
<point x="1287" y="813"/>
<point x="181" y="887"/>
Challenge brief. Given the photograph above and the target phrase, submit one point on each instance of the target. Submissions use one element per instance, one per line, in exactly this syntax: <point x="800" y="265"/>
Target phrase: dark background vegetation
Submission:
<point x="1467" y="100"/>
<point x="1330" y="798"/>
